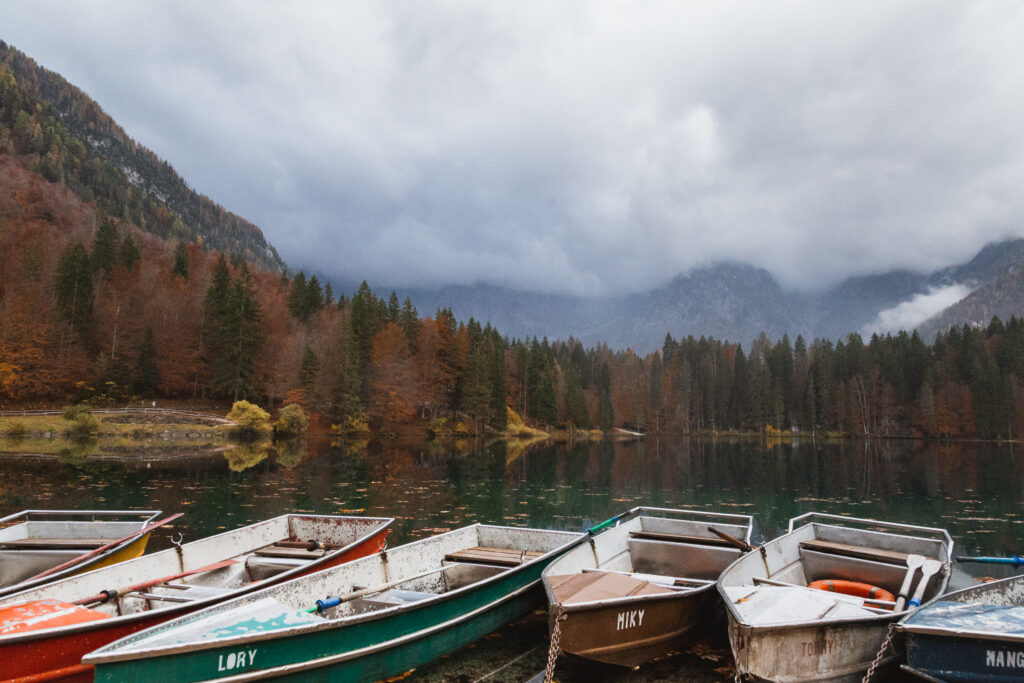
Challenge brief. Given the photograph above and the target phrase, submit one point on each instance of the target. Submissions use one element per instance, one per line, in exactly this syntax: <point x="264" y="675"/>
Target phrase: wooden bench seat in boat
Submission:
<point x="858" y="551"/>
<point x="292" y="553"/>
<point x="506" y="557"/>
<point x="680" y="538"/>
<point x="57" y="543"/>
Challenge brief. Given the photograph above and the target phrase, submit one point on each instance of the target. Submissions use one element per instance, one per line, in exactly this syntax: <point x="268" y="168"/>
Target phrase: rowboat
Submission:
<point x="638" y="590"/>
<point x="362" y="621"/>
<point x="39" y="546"/>
<point x="781" y="629"/>
<point x="974" y="634"/>
<point x="45" y="632"/>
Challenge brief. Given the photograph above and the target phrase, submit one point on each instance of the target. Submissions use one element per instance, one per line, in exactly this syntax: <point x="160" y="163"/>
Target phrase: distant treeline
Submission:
<point x="91" y="308"/>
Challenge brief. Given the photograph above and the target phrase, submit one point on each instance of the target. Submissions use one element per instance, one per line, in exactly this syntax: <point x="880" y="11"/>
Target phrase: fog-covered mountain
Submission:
<point x="738" y="302"/>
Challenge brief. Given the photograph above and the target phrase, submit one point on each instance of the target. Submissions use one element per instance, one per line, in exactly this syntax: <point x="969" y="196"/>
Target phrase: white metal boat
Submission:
<point x="783" y="630"/>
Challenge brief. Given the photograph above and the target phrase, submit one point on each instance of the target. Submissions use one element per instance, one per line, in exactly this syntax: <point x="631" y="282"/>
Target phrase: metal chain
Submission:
<point x="881" y="653"/>
<point x="553" y="651"/>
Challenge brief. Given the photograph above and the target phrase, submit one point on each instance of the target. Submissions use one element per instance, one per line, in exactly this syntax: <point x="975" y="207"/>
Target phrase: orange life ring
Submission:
<point x="855" y="588"/>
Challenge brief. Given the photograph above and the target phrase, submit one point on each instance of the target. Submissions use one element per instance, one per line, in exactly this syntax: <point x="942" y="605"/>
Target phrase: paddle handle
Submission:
<point x="1015" y="560"/>
<point x="114" y="592"/>
<point x="742" y="545"/>
<point x="103" y="548"/>
<point x="608" y="522"/>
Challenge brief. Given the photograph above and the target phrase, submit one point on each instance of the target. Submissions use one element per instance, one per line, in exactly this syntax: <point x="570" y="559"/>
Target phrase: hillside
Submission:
<point x="59" y="132"/>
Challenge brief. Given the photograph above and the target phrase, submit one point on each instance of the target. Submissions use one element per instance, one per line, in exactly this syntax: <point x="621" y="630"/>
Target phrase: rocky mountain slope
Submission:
<point x="58" y="131"/>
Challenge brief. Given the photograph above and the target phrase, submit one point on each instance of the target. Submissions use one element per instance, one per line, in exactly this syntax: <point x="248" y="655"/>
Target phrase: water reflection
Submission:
<point x="974" y="490"/>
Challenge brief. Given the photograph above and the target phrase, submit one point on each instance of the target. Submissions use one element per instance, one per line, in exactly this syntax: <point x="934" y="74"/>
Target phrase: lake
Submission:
<point x="974" y="490"/>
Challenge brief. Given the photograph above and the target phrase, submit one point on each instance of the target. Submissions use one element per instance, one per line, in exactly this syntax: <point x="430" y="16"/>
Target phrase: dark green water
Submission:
<point x="976" y="491"/>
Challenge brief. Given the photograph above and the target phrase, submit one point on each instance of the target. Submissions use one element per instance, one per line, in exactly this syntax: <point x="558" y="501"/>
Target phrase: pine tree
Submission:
<point x="247" y="332"/>
<point x="309" y="370"/>
<point x="314" y="297"/>
<point x="73" y="287"/>
<point x="298" y="297"/>
<point x="129" y="253"/>
<point x="147" y="376"/>
<point x="105" y="246"/>
<point x="393" y="309"/>
<point x="180" y="266"/>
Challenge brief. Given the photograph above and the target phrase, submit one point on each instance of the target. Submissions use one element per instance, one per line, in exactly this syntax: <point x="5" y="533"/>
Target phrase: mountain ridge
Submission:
<point x="64" y="135"/>
<point x="733" y="301"/>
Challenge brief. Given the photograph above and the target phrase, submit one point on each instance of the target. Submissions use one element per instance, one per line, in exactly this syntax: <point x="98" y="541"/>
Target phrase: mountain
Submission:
<point x="58" y="131"/>
<point x="737" y="302"/>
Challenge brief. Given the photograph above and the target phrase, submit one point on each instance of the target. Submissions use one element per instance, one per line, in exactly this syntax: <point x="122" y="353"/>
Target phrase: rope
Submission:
<point x="886" y="644"/>
<point x="553" y="651"/>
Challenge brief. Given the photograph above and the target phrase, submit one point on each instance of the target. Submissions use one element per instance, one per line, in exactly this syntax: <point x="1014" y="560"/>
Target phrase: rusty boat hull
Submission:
<point x="643" y="588"/>
<point x="54" y="653"/>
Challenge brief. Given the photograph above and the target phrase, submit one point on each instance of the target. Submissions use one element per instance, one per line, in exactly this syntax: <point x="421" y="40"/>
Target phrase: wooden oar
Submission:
<point x="114" y="592"/>
<point x="742" y="545"/>
<point x="103" y="548"/>
<point x="326" y="603"/>
<point x="928" y="569"/>
<point x="913" y="562"/>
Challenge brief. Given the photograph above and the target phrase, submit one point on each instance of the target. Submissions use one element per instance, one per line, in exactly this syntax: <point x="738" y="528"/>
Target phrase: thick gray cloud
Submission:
<point x="584" y="146"/>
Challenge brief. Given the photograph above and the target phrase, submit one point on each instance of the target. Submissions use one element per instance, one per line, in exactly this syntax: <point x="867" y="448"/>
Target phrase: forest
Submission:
<point x="118" y="283"/>
<point x="94" y="309"/>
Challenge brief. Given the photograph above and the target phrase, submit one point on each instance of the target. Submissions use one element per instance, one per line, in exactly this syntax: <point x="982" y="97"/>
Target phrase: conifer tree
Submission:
<point x="147" y="375"/>
<point x="129" y="253"/>
<point x="298" y="297"/>
<point x="180" y="266"/>
<point x="73" y="287"/>
<point x="310" y="368"/>
<point x="105" y="245"/>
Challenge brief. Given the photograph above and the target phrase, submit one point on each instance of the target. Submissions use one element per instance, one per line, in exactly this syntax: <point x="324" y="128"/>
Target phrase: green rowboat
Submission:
<point x="385" y="614"/>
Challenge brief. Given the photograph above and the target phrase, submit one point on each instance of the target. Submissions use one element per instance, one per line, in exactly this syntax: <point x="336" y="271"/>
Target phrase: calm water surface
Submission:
<point x="974" y="490"/>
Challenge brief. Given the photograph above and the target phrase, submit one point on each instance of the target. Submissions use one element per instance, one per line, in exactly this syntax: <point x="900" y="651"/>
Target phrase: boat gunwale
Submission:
<point x="952" y="633"/>
<point x="80" y="513"/>
<point x="180" y="609"/>
<point x="98" y="656"/>
<point x="853" y="522"/>
<point x="749" y="519"/>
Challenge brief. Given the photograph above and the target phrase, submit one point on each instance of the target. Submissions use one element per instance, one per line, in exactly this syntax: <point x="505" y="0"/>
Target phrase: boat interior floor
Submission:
<point x="786" y="597"/>
<point x="258" y="565"/>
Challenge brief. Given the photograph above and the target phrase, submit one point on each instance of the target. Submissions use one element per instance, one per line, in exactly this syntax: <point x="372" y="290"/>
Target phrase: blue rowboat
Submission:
<point x="375" y="617"/>
<point x="974" y="634"/>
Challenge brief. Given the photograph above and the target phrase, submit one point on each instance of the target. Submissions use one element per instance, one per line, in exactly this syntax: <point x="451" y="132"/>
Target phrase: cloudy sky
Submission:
<point x="586" y="147"/>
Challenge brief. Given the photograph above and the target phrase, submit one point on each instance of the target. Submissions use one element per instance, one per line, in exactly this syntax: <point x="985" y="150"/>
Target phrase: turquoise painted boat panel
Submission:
<point x="262" y="616"/>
